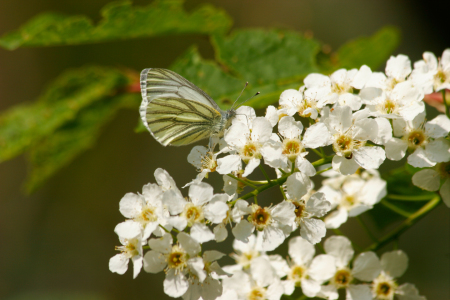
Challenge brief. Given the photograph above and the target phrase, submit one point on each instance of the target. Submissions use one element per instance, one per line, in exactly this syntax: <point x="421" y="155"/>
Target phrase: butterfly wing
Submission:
<point x="174" y="110"/>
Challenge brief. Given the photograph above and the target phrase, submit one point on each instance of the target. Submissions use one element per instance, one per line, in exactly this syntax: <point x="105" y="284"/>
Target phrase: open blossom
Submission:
<point x="308" y="209"/>
<point x="397" y="70"/>
<point x="352" y="195"/>
<point x="426" y="141"/>
<point x="274" y="222"/>
<point x="307" y="271"/>
<point x="146" y="209"/>
<point x="430" y="180"/>
<point x="204" y="160"/>
<point x="385" y="287"/>
<point x="244" y="253"/>
<point x="292" y="148"/>
<point x="301" y="102"/>
<point x="130" y="236"/>
<point x="245" y="138"/>
<point x="202" y="204"/>
<point x="350" y="133"/>
<point x="366" y="267"/>
<point x="432" y="74"/>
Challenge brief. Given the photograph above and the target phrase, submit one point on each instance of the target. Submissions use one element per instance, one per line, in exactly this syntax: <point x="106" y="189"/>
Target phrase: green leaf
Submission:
<point x="120" y="20"/>
<point x="271" y="61"/>
<point x="371" y="51"/>
<point x="58" y="149"/>
<point x="24" y="125"/>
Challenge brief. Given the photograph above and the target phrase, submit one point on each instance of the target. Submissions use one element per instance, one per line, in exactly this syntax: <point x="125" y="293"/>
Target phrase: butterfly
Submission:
<point x="177" y="112"/>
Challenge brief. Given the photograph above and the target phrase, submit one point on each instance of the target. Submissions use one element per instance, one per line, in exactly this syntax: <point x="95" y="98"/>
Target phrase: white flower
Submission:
<point x="304" y="104"/>
<point x="275" y="223"/>
<point x="308" y="208"/>
<point x="281" y="154"/>
<point x="432" y="74"/>
<point x="426" y="141"/>
<point x="165" y="181"/>
<point x="202" y="205"/>
<point x="366" y="267"/>
<point x="205" y="162"/>
<point x="146" y="209"/>
<point x="349" y="135"/>
<point x="246" y="252"/>
<point x="397" y="70"/>
<point x="178" y="261"/>
<point x="245" y="137"/>
<point x="130" y="237"/>
<point x="404" y="101"/>
<point x="306" y="272"/>
<point x="339" y="86"/>
<point x="430" y="180"/>
<point x="351" y="196"/>
<point x="384" y="287"/>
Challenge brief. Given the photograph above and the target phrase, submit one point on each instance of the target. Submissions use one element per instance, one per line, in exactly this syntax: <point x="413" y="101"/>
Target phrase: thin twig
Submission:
<point x="395" y="209"/>
<point x="410" y="197"/>
<point x="242" y="181"/>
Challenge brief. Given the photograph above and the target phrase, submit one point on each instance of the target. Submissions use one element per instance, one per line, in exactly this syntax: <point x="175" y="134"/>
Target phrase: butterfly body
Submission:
<point x="177" y="112"/>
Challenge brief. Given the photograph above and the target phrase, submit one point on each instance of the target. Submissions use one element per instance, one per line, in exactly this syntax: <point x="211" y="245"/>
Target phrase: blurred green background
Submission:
<point x="56" y="243"/>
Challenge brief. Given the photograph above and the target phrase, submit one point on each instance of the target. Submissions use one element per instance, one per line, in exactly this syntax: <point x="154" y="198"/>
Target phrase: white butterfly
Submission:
<point x="177" y="112"/>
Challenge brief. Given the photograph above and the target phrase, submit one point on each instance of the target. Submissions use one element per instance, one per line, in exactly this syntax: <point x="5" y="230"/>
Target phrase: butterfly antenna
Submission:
<point x="249" y="99"/>
<point x="246" y="84"/>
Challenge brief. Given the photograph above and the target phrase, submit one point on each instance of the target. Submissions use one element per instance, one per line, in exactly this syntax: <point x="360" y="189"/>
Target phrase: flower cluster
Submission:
<point x="352" y="122"/>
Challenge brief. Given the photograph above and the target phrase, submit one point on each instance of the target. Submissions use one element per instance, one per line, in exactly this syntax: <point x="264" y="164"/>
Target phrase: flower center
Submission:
<point x="341" y="89"/>
<point x="292" y="148"/>
<point x="193" y="214"/>
<point x="176" y="258"/>
<point x="299" y="208"/>
<point x="416" y="138"/>
<point x="305" y="104"/>
<point x="129" y="249"/>
<point x="208" y="162"/>
<point x="296" y="274"/>
<point x="348" y="201"/>
<point x="245" y="258"/>
<point x="249" y="151"/>
<point x="257" y="293"/>
<point x="345" y="144"/>
<point x="260" y="217"/>
<point x="384" y="287"/>
<point x="342" y="278"/>
<point x="443" y="169"/>
<point x="388" y="106"/>
<point x="147" y="215"/>
<point x="440" y="77"/>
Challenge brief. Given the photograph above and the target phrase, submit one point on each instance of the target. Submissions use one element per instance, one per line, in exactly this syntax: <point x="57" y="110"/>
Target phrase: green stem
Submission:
<point x="256" y="200"/>
<point x="264" y="173"/>
<point x="324" y="170"/>
<point x="395" y="209"/>
<point x="242" y="181"/>
<point x="257" y="182"/>
<point x="447" y="108"/>
<point x="410" y="197"/>
<point x="302" y="297"/>
<point x="318" y="152"/>
<point x="411" y="220"/>
<point x="283" y="193"/>
<point x="323" y="161"/>
<point x="366" y="229"/>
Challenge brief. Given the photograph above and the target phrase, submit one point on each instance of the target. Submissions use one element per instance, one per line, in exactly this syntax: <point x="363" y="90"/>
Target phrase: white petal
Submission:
<point x="174" y="202"/>
<point x="419" y="159"/>
<point x="131" y="205"/>
<point x="262" y="271"/>
<point x="304" y="166"/>
<point x="251" y="166"/>
<point x="216" y="211"/>
<point x="317" y="205"/>
<point x="245" y="114"/>
<point x="196" y="266"/>
<point x="427" y="179"/>
<point x="128" y="229"/>
<point x="336" y="218"/>
<point x="118" y="264"/>
<point x="154" y="262"/>
<point x="289" y="128"/>
<point x="189" y="244"/>
<point x="373" y="191"/>
<point x="162" y="244"/>
<point x="212" y="255"/>
<point x="340" y="248"/>
<point x="366" y="266"/>
<point x="243" y="230"/>
<point x="438" y="150"/>
<point x="297" y="185"/>
<point x="196" y="154"/>
<point x="312" y="230"/>
<point x="137" y="265"/>
<point x="340" y="119"/>
<point x="300" y="250"/>
<point x="359" y="292"/>
<point x="275" y="290"/>
<point x="175" y="284"/>
<point x="220" y="232"/>
<point x="351" y="100"/>
<point x="178" y="222"/>
<point x="165" y="180"/>
<point x="317" y="135"/>
<point x="272" y="115"/>
<point x="284" y="213"/>
<point x="369" y="157"/>
<point x="361" y="77"/>
<point x="445" y="192"/>
<point x="228" y="164"/>
<point x="396" y="148"/>
<point x="272" y="153"/>
<point x="365" y="129"/>
<point x="310" y="287"/>
<point x="370" y="94"/>
<point x="438" y="127"/>
<point x="384" y="131"/>
<point x="322" y="267"/>
<point x="211" y="289"/>
<point x="398" y="67"/>
<point x="316" y="80"/>
<point x="394" y="263"/>
<point x="200" y="193"/>
<point x="328" y="292"/>
<point x="201" y="233"/>
<point x="272" y="238"/>
<point x="261" y="130"/>
<point x="344" y="166"/>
